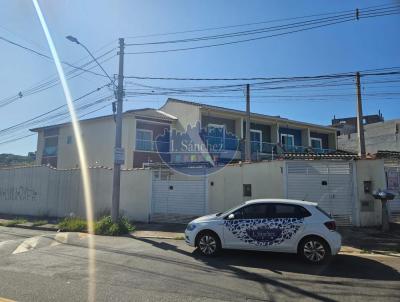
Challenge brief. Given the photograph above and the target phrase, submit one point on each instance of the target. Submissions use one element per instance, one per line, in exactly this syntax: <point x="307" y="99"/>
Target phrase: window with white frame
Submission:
<point x="316" y="143"/>
<point x="287" y="139"/>
<point x="144" y="140"/>
<point x="256" y="140"/>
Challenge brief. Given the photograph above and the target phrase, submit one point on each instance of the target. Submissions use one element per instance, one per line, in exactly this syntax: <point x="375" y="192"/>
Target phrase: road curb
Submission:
<point x="37" y="228"/>
<point x="177" y="237"/>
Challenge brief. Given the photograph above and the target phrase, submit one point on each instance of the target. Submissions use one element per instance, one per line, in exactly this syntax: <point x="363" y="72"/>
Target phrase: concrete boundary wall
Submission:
<point x="43" y="191"/>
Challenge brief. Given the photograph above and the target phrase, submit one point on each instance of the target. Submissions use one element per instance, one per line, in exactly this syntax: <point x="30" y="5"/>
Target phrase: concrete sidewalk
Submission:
<point x="159" y="230"/>
<point x="371" y="240"/>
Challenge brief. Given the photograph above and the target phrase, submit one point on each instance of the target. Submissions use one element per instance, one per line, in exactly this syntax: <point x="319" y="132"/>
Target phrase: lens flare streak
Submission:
<point x="81" y="152"/>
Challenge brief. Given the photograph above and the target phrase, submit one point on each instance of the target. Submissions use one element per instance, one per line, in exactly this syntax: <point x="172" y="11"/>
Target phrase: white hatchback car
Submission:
<point x="276" y="225"/>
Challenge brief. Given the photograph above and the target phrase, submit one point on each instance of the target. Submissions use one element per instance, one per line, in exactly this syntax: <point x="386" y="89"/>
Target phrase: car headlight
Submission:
<point x="191" y="226"/>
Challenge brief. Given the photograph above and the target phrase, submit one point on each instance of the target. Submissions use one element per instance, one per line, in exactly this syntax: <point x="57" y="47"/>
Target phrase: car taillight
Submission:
<point x="331" y="225"/>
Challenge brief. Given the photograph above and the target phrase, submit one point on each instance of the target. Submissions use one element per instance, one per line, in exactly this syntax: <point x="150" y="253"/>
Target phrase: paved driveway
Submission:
<point x="46" y="266"/>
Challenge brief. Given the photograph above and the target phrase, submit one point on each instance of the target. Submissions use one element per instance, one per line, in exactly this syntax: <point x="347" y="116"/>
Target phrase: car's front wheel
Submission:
<point x="208" y="243"/>
<point x="314" y="250"/>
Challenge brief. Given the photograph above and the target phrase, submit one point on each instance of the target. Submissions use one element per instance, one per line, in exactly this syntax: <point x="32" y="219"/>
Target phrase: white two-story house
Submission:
<point x="148" y="136"/>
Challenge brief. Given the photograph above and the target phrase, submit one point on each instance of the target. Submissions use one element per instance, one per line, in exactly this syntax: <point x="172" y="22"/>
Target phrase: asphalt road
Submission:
<point x="48" y="266"/>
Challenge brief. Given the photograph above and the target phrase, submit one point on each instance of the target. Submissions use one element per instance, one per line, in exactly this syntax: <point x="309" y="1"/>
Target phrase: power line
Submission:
<point x="368" y="72"/>
<point x="303" y="27"/>
<point x="16" y="139"/>
<point x="57" y="118"/>
<point x="242" y="33"/>
<point x="42" y="86"/>
<point x="48" y="57"/>
<point x="29" y="135"/>
<point x="5" y="130"/>
<point x="251" y="24"/>
<point x="273" y="28"/>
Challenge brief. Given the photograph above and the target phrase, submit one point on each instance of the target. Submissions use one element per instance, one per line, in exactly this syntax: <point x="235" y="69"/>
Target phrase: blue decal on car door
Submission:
<point x="264" y="232"/>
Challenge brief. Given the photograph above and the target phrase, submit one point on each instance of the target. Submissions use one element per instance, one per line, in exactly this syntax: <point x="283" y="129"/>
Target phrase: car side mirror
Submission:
<point x="231" y="216"/>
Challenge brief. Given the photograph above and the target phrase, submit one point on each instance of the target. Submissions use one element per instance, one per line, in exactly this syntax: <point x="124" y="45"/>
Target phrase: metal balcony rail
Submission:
<point x="215" y="144"/>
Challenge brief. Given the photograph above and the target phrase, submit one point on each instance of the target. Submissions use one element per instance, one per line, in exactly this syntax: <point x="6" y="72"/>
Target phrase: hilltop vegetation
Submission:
<point x="15" y="160"/>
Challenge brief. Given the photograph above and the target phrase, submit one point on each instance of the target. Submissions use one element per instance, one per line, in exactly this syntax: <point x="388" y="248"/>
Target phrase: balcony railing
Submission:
<point x="216" y="144"/>
<point x="152" y="146"/>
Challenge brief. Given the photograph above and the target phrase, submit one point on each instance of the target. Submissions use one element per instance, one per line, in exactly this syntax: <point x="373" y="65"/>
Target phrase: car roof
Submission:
<point x="278" y="200"/>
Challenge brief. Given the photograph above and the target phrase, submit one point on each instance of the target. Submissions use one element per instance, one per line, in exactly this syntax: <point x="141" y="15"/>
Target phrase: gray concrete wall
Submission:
<point x="383" y="136"/>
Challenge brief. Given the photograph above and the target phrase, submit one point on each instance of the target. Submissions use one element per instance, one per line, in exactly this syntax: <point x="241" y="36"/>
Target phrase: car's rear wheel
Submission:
<point x="208" y="243"/>
<point x="314" y="250"/>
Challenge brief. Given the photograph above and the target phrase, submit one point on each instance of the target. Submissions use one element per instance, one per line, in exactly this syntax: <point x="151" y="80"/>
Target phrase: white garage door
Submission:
<point x="328" y="183"/>
<point x="178" y="200"/>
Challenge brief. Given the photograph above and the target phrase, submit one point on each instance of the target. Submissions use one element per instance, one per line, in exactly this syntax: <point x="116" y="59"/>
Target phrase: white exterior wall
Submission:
<point x="266" y="179"/>
<point x="99" y="139"/>
<point x="43" y="191"/>
<point x="187" y="114"/>
<point x="369" y="170"/>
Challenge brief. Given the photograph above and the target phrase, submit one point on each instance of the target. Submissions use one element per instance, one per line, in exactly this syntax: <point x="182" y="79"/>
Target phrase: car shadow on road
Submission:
<point x="342" y="265"/>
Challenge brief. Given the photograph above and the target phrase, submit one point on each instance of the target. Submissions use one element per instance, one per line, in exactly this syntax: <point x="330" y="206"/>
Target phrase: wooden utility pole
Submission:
<point x="360" y="125"/>
<point x="247" y="149"/>
<point x="119" y="153"/>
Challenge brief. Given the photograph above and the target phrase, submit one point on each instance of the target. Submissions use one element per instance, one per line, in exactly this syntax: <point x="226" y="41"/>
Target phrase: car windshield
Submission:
<point x="230" y="210"/>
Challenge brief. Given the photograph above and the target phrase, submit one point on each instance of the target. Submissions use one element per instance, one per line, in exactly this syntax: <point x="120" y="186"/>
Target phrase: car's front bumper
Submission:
<point x="190" y="237"/>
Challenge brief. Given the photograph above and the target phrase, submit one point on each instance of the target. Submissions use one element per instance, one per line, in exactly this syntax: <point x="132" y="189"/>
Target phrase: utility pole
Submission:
<point x="360" y="125"/>
<point x="119" y="153"/>
<point x="247" y="148"/>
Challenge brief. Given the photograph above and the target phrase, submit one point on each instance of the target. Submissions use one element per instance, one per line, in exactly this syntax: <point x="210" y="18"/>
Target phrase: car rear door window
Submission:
<point x="255" y="211"/>
<point x="288" y="211"/>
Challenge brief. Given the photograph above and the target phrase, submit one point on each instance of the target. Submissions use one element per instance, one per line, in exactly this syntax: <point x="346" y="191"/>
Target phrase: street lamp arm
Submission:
<point x="75" y="40"/>
<point x="105" y="72"/>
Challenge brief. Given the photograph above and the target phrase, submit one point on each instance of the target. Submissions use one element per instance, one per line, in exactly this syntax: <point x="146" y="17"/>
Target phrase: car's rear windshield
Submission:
<point x="323" y="212"/>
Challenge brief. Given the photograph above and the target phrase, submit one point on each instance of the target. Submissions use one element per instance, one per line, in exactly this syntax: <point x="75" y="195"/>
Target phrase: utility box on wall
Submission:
<point x="367" y="186"/>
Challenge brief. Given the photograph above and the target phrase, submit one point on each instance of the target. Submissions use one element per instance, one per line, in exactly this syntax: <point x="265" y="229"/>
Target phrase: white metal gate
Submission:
<point x="328" y="183"/>
<point x="178" y="201"/>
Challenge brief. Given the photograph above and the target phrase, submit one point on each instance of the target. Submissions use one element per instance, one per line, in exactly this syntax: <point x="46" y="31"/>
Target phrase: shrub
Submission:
<point x="105" y="226"/>
<point x="73" y="224"/>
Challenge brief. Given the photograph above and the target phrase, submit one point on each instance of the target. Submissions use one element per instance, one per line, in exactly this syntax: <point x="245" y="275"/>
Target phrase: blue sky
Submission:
<point x="359" y="45"/>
